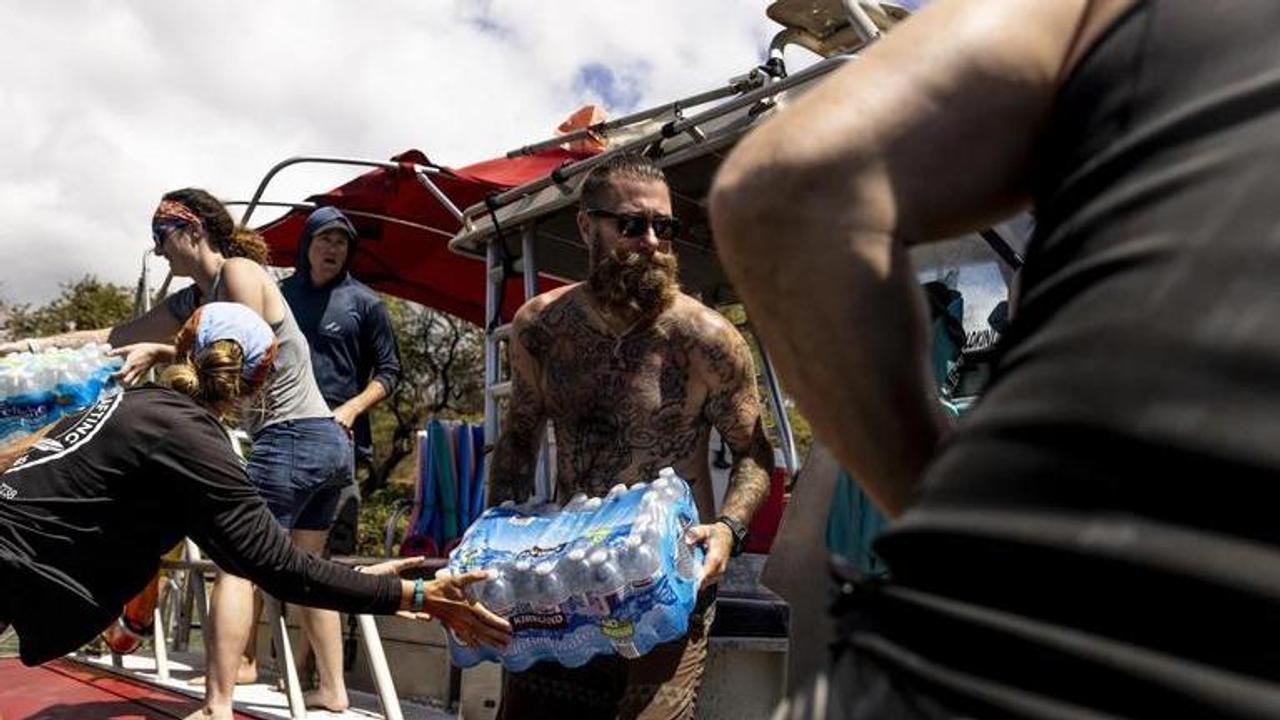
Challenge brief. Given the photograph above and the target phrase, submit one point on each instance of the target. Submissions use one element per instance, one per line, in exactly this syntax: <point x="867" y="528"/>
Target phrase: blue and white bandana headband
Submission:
<point x="232" y="321"/>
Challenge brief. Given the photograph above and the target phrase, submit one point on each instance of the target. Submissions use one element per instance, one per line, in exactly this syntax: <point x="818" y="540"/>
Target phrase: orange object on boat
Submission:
<point x="582" y="119"/>
<point x="136" y="622"/>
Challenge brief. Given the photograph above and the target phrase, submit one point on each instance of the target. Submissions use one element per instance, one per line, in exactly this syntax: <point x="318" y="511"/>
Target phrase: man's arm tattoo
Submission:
<point x="733" y="407"/>
<point x="516" y="456"/>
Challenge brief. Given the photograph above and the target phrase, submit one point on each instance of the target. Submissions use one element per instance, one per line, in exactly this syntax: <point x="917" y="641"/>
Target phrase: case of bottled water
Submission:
<point x="38" y="388"/>
<point x="600" y="575"/>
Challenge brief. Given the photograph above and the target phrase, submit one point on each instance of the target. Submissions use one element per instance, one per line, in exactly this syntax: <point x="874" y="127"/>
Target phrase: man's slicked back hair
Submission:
<point x="597" y="185"/>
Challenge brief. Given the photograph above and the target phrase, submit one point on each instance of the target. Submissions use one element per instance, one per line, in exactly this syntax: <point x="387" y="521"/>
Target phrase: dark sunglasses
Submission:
<point x="636" y="225"/>
<point x="161" y="230"/>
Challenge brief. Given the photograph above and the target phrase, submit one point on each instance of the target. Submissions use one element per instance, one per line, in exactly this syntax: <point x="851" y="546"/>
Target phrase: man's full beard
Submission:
<point x="636" y="284"/>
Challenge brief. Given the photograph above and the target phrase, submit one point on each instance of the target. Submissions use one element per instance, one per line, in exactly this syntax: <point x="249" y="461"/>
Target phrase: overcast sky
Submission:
<point x="106" y="105"/>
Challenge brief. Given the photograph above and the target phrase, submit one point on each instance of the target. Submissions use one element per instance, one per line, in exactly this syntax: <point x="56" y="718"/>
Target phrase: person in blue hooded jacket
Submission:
<point x="353" y="350"/>
<point x="353" y="355"/>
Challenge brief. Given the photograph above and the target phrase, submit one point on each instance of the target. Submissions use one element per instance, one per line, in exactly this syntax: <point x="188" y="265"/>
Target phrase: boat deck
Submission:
<point x="87" y="687"/>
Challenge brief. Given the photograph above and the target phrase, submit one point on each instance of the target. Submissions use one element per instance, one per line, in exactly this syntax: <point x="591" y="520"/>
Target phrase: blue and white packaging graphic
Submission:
<point x="600" y="575"/>
<point x="38" y="388"/>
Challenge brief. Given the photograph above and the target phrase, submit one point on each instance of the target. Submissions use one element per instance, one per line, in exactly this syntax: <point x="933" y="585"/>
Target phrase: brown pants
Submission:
<point x="661" y="685"/>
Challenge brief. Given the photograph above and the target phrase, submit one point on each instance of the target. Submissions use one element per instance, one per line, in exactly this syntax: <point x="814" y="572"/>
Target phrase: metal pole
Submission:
<point x="1011" y="257"/>
<point x="673" y="129"/>
<point x="437" y="193"/>
<point x="161" y="650"/>
<point x="749" y="81"/>
<point x="420" y="170"/>
<point x="779" y="410"/>
<point x="352" y="213"/>
<point x="529" y="233"/>
<point x="289" y="669"/>
<point x="861" y="22"/>
<point x="142" y="300"/>
<point x="492" y="300"/>
<point x="381" y="671"/>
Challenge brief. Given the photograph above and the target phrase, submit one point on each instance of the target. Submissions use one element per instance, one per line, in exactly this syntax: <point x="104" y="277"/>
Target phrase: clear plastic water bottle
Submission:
<point x="548" y="590"/>
<point x="637" y="560"/>
<point x="607" y="582"/>
<point x="652" y="509"/>
<point x="520" y="576"/>
<point x="575" y="571"/>
<point x="686" y="563"/>
<point x="576" y="502"/>
<point x="530" y="505"/>
<point x="495" y="593"/>
<point x="672" y="487"/>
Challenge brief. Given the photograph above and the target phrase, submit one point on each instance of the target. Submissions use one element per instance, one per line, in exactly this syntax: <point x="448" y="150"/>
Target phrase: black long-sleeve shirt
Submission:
<point x="87" y="512"/>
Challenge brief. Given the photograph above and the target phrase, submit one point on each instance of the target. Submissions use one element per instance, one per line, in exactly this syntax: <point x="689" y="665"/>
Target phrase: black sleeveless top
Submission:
<point x="1104" y="529"/>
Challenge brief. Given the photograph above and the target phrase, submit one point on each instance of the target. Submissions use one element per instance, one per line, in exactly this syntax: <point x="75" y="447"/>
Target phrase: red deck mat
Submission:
<point x="65" y="690"/>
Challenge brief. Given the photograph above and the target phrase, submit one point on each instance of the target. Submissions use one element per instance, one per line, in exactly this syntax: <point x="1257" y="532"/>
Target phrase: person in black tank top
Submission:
<point x="1097" y="539"/>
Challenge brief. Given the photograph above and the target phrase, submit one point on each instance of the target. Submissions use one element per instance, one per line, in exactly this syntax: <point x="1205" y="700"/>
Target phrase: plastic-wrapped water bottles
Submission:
<point x="601" y="575"/>
<point x="38" y="388"/>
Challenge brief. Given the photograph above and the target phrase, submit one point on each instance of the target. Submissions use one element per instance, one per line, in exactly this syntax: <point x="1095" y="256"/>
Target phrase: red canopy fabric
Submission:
<point x="413" y="261"/>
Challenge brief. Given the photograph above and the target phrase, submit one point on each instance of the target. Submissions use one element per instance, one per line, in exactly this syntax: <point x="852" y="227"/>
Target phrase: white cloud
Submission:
<point x="106" y="105"/>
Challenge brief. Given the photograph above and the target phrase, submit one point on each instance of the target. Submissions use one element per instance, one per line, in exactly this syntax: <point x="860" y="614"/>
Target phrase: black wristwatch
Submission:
<point x="739" y="532"/>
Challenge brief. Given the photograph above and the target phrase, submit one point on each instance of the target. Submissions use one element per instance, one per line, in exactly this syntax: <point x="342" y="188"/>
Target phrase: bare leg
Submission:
<point x="324" y="630"/>
<point x="302" y="653"/>
<point x="247" y="673"/>
<point x="230" y="625"/>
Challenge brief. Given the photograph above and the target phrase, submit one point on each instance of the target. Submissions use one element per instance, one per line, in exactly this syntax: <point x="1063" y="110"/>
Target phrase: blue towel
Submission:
<point x="465" y="475"/>
<point x="427" y="519"/>
<point x="479" y="498"/>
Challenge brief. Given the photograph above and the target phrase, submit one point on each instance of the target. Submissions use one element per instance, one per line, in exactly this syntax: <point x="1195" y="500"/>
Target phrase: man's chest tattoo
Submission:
<point x="622" y="408"/>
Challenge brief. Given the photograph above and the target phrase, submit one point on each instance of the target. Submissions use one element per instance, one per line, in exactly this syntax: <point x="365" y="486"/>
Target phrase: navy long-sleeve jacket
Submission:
<point x="347" y="327"/>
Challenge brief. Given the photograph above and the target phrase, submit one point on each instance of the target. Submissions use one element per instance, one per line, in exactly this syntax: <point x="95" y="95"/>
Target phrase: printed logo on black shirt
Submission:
<point x="49" y="445"/>
<point x="78" y="432"/>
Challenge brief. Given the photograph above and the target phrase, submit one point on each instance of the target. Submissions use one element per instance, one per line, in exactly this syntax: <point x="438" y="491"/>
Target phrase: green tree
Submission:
<point x="85" y="304"/>
<point x="801" y="432"/>
<point x="442" y="375"/>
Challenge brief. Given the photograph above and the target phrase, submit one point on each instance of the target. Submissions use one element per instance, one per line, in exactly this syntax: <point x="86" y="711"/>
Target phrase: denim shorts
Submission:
<point x="300" y="468"/>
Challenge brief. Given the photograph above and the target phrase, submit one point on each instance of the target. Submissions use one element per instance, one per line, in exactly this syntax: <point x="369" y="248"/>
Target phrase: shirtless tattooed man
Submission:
<point x="632" y="374"/>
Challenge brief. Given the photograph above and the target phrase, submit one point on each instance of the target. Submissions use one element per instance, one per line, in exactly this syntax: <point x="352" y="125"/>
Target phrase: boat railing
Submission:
<point x="185" y="600"/>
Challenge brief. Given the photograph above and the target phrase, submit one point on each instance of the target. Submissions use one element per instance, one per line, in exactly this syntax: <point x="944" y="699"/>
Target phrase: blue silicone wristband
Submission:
<point x="419" y="595"/>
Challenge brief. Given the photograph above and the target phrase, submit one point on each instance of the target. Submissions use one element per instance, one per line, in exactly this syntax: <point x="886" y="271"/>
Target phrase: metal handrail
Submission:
<point x="351" y="213"/>
<point x="377" y="659"/>
<point x="750" y="81"/>
<point x="789" y="455"/>
<point x="420" y="171"/>
<point x="677" y="127"/>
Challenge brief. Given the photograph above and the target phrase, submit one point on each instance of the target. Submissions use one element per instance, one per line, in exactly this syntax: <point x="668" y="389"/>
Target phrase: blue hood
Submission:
<point x="318" y="219"/>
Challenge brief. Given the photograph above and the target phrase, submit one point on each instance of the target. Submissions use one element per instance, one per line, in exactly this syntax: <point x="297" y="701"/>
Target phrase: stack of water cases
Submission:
<point x="38" y="388"/>
<point x="600" y="575"/>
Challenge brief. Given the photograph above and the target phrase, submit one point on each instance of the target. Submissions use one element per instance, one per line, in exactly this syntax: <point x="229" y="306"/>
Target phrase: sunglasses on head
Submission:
<point x="161" y="230"/>
<point x="636" y="225"/>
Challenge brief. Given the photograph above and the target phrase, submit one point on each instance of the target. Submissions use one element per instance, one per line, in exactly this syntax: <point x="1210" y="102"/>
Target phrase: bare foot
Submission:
<point x="326" y="700"/>
<point x="206" y="713"/>
<point x="246" y="674"/>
